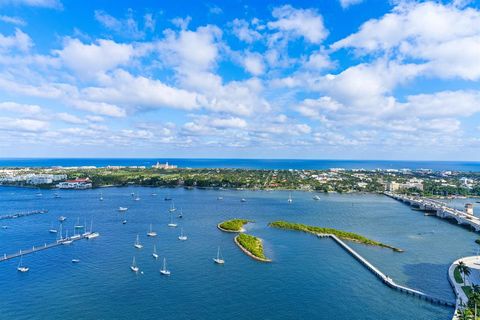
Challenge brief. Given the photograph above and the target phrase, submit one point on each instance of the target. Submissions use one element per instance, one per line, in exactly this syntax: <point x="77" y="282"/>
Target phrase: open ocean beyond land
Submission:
<point x="244" y="163"/>
<point x="309" y="278"/>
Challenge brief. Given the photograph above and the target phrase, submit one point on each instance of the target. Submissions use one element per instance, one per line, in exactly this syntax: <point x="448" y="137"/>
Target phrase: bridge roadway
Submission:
<point x="440" y="209"/>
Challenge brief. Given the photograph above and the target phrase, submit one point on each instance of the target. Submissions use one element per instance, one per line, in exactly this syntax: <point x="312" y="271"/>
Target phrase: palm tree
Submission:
<point x="464" y="270"/>
<point x="465" y="314"/>
<point x="476" y="288"/>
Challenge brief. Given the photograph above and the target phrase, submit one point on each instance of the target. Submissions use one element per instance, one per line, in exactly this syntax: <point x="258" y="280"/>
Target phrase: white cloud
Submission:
<point x="27" y="109"/>
<point x="19" y="40"/>
<point x="127" y="27"/>
<point x="22" y="124"/>
<point x="13" y="20"/>
<point x="306" y="23"/>
<point x="53" y="4"/>
<point x="347" y="3"/>
<point x="253" y="63"/>
<point x="243" y="31"/>
<point x="70" y="118"/>
<point x="91" y="59"/>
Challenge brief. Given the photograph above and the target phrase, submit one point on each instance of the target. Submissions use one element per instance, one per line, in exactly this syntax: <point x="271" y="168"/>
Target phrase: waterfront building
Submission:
<point x="75" y="184"/>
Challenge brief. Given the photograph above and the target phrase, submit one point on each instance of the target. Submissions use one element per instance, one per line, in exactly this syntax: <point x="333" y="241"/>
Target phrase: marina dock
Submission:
<point x="45" y="246"/>
<point x="22" y="214"/>
<point x="384" y="278"/>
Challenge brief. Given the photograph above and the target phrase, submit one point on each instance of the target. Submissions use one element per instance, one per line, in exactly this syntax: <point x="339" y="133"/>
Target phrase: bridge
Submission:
<point x="440" y="209"/>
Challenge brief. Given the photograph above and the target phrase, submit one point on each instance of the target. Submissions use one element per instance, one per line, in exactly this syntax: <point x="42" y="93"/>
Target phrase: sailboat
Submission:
<point x="243" y="200"/>
<point x="78" y="225"/>
<point x="155" y="254"/>
<point x="137" y="243"/>
<point x="56" y="195"/>
<point x="67" y="240"/>
<point x="52" y="230"/>
<point x="180" y="215"/>
<point x="219" y="258"/>
<point x="20" y="267"/>
<point x="182" y="237"/>
<point x="290" y="200"/>
<point x="137" y="198"/>
<point x="164" y="270"/>
<point x="39" y="193"/>
<point x="151" y="233"/>
<point x="219" y="198"/>
<point x="167" y="198"/>
<point x="172" y="224"/>
<point x="172" y="207"/>
<point x="101" y="196"/>
<point x="134" y="267"/>
<point x="91" y="234"/>
<point x="124" y="220"/>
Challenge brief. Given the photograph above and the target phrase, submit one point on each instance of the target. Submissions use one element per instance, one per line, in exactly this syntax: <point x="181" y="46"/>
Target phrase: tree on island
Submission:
<point x="464" y="270"/>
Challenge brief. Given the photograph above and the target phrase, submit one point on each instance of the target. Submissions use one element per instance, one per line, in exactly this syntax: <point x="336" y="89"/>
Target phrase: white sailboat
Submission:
<point x="39" y="193"/>
<point x="67" y="240"/>
<point x="134" y="267"/>
<point x="20" y="267"/>
<point x="164" y="270"/>
<point x="137" y="198"/>
<point x="101" y="196"/>
<point x="155" y="254"/>
<point x="52" y="229"/>
<point x="182" y="237"/>
<point x="151" y="233"/>
<point x="219" y="258"/>
<point x="180" y="215"/>
<point x="78" y="225"/>
<point x="122" y="209"/>
<point x="172" y="224"/>
<point x="172" y="207"/>
<point x="290" y="200"/>
<point x="137" y="243"/>
<point x="91" y="234"/>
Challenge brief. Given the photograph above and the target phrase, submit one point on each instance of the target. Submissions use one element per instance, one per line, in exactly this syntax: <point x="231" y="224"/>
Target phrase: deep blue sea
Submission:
<point x="309" y="278"/>
<point x="245" y="163"/>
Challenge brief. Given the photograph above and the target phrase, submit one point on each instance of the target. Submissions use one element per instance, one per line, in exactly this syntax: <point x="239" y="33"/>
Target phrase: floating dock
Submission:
<point x="22" y="214"/>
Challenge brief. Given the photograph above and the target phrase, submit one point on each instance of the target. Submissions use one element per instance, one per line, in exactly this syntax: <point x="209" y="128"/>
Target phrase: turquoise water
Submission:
<point x="245" y="163"/>
<point x="309" y="278"/>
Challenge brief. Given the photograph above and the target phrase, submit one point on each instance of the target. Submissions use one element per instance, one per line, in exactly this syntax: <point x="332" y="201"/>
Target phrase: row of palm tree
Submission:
<point x="469" y="312"/>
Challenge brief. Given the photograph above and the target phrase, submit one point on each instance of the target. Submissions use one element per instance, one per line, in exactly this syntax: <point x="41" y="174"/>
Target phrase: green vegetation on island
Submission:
<point x="350" y="236"/>
<point x="252" y="246"/>
<point x="234" y="225"/>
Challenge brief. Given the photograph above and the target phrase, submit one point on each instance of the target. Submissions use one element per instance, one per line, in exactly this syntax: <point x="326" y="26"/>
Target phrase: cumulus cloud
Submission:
<point x="20" y="41"/>
<point x="13" y="20"/>
<point x="52" y="4"/>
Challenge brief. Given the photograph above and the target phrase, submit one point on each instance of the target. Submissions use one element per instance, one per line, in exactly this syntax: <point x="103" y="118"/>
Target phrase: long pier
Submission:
<point x="384" y="278"/>
<point x="46" y="246"/>
<point x="440" y="209"/>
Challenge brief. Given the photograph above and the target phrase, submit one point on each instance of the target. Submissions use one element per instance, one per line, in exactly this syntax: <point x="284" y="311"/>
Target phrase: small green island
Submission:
<point x="252" y="246"/>
<point x="345" y="235"/>
<point x="234" y="225"/>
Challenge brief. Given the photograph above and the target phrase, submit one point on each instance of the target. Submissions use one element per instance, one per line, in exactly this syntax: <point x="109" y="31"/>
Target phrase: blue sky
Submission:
<point x="334" y="79"/>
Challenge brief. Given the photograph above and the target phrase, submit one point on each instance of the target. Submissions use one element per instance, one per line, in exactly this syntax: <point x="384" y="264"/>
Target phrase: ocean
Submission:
<point x="245" y="163"/>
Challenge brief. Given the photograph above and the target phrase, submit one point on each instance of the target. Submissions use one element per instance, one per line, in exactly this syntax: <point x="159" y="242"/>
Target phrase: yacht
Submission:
<point x="290" y="200"/>
<point x="39" y="193"/>
<point x="172" y="207"/>
<point x="167" y="198"/>
<point x="243" y="200"/>
<point x="137" y="198"/>
<point x="67" y="240"/>
<point x="52" y="229"/>
<point x="75" y="260"/>
<point x="154" y="194"/>
<point x="316" y="197"/>
<point x="172" y="224"/>
<point x="137" y="243"/>
<point x="219" y="258"/>
<point x="164" y="270"/>
<point x="124" y="221"/>
<point x="155" y="254"/>
<point x="78" y="225"/>
<point x="92" y="235"/>
<point x="219" y="198"/>
<point x="62" y="218"/>
<point x="56" y="195"/>
<point x="182" y="237"/>
<point x="134" y="267"/>
<point x="20" y="267"/>
<point x="151" y="233"/>
<point x="180" y="215"/>
<point x="121" y="209"/>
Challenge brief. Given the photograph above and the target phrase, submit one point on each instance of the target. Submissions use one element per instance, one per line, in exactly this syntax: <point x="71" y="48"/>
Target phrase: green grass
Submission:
<point x="234" y="224"/>
<point x="252" y="244"/>
<point x="339" y="233"/>
<point x="457" y="275"/>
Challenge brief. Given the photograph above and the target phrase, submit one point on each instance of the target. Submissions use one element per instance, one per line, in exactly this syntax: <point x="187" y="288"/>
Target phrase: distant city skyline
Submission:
<point x="346" y="79"/>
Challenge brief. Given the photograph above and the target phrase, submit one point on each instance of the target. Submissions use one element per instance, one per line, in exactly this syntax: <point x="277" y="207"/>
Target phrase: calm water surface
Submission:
<point x="310" y="278"/>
